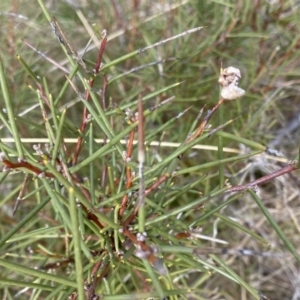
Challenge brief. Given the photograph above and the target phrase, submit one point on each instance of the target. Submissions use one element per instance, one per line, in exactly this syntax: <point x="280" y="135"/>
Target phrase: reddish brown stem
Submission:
<point x="155" y="185"/>
<point x="91" y="288"/>
<point x="152" y="188"/>
<point x="90" y="215"/>
<point x="21" y="193"/>
<point x="24" y="164"/>
<point x="10" y="165"/>
<point x="204" y="123"/>
<point x="100" y="54"/>
<point x="201" y="127"/>
<point x="142" y="245"/>
<point x="263" y="179"/>
<point x="87" y="98"/>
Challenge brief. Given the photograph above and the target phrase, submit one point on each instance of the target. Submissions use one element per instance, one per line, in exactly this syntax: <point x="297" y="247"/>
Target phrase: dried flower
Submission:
<point x="232" y="92"/>
<point x="229" y="80"/>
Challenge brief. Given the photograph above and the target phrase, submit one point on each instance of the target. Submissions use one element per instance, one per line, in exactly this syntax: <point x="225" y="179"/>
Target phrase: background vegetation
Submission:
<point x="69" y="229"/>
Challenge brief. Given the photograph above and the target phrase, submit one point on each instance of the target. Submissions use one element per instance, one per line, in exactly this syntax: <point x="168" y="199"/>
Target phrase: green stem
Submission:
<point x="275" y="226"/>
<point x="10" y="112"/>
<point x="77" y="245"/>
<point x="220" y="146"/>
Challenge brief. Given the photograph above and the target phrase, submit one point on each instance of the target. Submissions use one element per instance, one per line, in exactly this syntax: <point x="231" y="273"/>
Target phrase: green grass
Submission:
<point x="71" y="213"/>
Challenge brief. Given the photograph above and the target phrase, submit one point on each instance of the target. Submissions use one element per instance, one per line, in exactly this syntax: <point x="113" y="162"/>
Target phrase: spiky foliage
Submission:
<point x="202" y="209"/>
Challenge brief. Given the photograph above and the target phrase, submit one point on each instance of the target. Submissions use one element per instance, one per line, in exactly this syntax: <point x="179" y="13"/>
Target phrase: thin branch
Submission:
<point x="87" y="98"/>
<point x="171" y="38"/>
<point x="128" y="173"/>
<point x="264" y="179"/>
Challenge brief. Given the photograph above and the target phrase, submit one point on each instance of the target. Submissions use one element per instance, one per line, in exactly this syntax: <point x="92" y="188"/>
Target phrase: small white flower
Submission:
<point x="232" y="92"/>
<point x="229" y="80"/>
